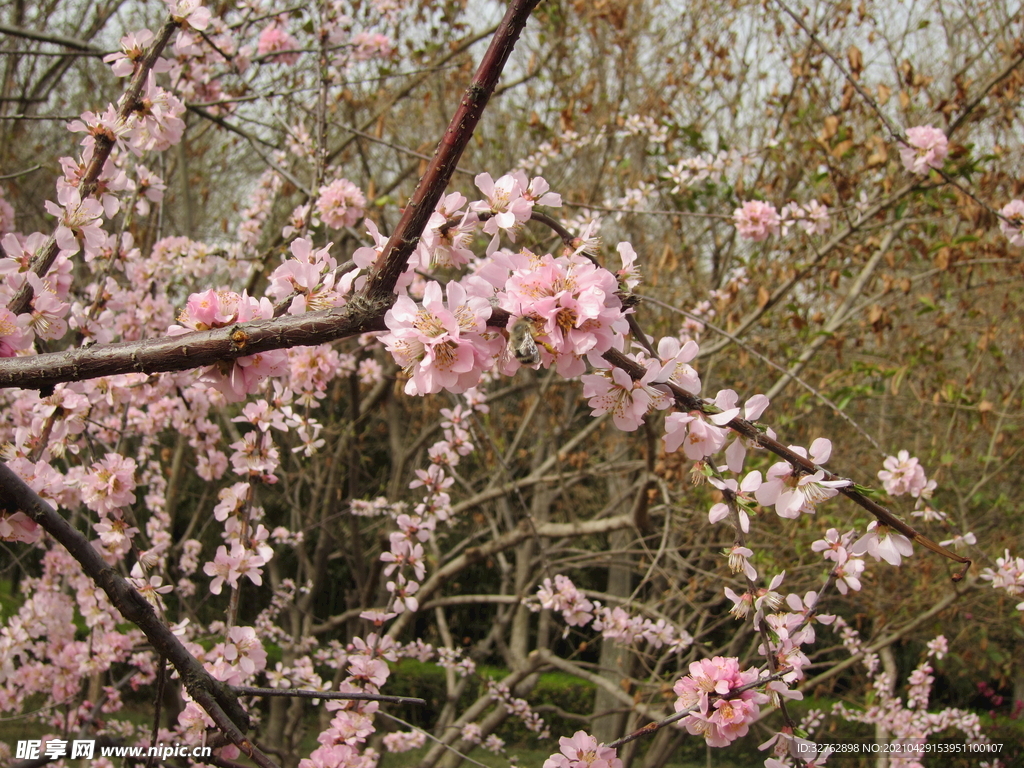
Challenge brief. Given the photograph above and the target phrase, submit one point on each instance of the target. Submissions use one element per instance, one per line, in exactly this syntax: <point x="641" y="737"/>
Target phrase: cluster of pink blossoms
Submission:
<point x="440" y="345"/>
<point x="756" y="220"/>
<point x="1008" y="574"/>
<point x="341" y="204"/>
<point x="613" y="623"/>
<point x="725" y="718"/>
<point x="216" y="309"/>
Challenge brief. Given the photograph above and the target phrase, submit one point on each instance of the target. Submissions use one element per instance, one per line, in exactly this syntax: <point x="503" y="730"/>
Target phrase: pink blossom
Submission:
<point x="189" y="14"/>
<point x="698" y="437"/>
<point x="110" y="483"/>
<point x="883" y="544"/>
<point x="627" y="400"/>
<point x="1012" y="223"/>
<point x="19" y="527"/>
<point x="848" y="575"/>
<point x="756" y="220"/>
<point x="792" y="493"/>
<point x="274" y="38"/>
<point x="243" y="648"/>
<point x="563" y="596"/>
<point x="133" y="47"/>
<point x="80" y="222"/>
<point x="926" y="147"/>
<point x="12" y="336"/>
<point x="833" y="546"/>
<point x="341" y="204"/>
<point x="902" y="474"/>
<point x="582" y="751"/>
<point x="507" y="206"/>
<point x="675" y="358"/>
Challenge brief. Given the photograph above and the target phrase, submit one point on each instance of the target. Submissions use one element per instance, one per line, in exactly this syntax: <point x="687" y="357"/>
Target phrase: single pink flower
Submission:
<point x="926" y="148"/>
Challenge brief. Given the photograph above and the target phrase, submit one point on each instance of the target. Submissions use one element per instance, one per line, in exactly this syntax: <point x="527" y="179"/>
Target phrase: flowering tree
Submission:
<point x="398" y="413"/>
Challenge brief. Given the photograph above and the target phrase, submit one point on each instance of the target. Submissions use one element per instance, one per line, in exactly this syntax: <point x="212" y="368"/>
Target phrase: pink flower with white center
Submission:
<point x="116" y="534"/>
<point x="736" y="453"/>
<point x="756" y="220"/>
<point x="133" y="48"/>
<point x="576" y="609"/>
<point x="216" y="309"/>
<point x="366" y="257"/>
<point x="255" y="454"/>
<point x="848" y="575"/>
<point x="768" y="597"/>
<point x="367" y="671"/>
<point x="305" y="276"/>
<point x="738" y="561"/>
<point x="505" y="203"/>
<point x="615" y="391"/>
<point x="582" y="751"/>
<point x="690" y="430"/>
<point x="741" y="603"/>
<point x="1008" y="574"/>
<point x="833" y="546"/>
<point x="629" y="275"/>
<point x="80" y="222"/>
<point x="742" y="490"/>
<point x="938" y="647"/>
<point x="440" y="346"/>
<point x="675" y="358"/>
<point x="448" y="236"/>
<point x="1012" y="223"/>
<point x="341" y="204"/>
<point x="150" y="588"/>
<point x="537" y="190"/>
<point x="245" y="650"/>
<point x="792" y="493"/>
<point x="48" y="312"/>
<point x="902" y="474"/>
<point x="403" y="591"/>
<point x="926" y="148"/>
<point x="110" y="483"/>
<point x="274" y="38"/>
<point x="618" y="625"/>
<point x="231" y="567"/>
<point x="883" y="544"/>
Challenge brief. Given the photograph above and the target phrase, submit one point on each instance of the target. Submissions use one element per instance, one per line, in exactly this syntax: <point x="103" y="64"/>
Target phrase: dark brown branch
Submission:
<point x="392" y="261"/>
<point x="192" y="350"/>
